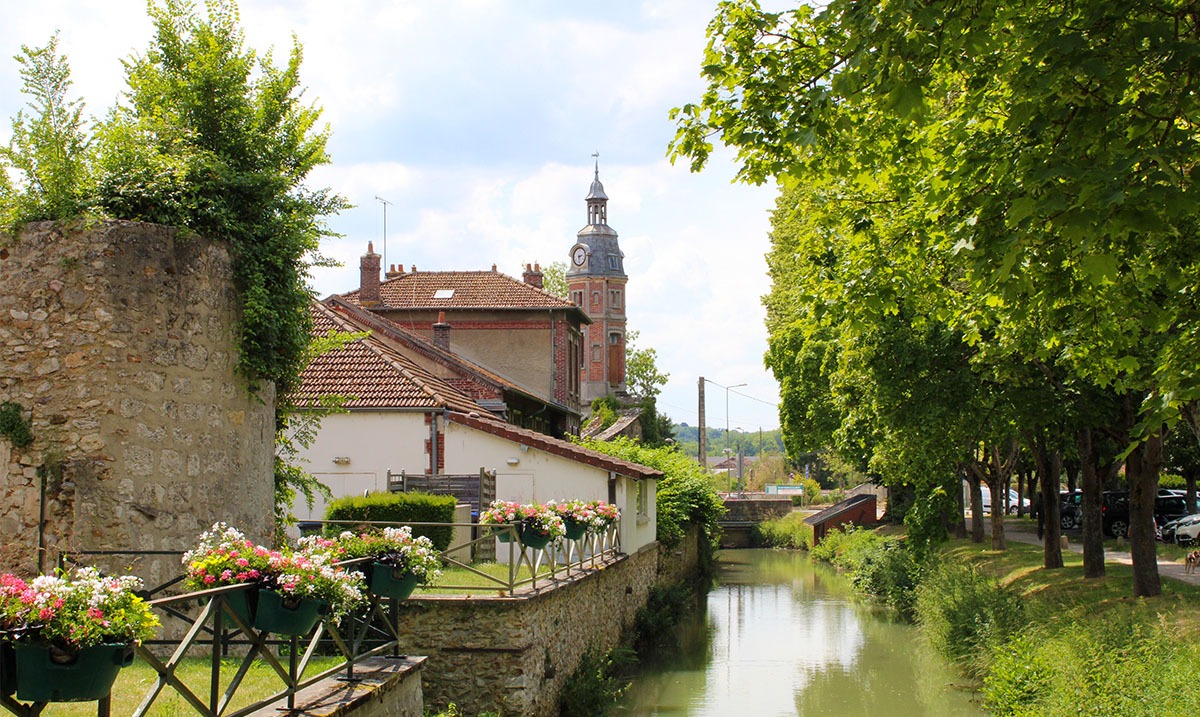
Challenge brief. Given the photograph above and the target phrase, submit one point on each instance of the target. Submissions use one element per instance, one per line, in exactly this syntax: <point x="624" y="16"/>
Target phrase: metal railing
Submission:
<point x="209" y="623"/>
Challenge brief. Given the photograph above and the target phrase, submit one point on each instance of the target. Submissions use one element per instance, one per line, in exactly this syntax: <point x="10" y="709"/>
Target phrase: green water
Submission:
<point x="781" y="635"/>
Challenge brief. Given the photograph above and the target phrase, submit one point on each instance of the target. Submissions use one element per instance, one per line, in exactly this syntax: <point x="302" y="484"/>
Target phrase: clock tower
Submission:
<point x="596" y="278"/>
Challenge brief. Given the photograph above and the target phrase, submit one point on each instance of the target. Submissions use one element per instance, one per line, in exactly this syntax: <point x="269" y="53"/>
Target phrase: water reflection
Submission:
<point x="782" y="636"/>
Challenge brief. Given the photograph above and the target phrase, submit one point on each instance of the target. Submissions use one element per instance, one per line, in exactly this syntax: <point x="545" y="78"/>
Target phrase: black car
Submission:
<point x="1070" y="510"/>
<point x="1115" y="511"/>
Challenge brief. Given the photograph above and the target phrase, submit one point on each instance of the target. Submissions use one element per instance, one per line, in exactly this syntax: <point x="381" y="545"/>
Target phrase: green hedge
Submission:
<point x="399" y="508"/>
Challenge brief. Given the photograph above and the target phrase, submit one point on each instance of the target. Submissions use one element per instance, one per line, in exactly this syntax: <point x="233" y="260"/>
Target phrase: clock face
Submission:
<point x="579" y="256"/>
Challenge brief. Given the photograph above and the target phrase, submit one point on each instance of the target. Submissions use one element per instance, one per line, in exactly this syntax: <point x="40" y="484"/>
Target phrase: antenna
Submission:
<point x="385" y="204"/>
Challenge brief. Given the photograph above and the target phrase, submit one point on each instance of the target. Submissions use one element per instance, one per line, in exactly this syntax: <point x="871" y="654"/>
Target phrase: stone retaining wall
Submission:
<point x="118" y="341"/>
<point x="513" y="655"/>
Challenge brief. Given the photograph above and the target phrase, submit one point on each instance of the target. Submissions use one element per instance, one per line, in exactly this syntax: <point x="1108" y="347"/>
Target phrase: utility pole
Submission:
<point x="703" y="454"/>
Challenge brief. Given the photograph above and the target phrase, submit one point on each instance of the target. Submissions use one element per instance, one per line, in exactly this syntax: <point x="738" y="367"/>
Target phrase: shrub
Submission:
<point x="398" y="509"/>
<point x="14" y="426"/>
<point x="890" y="573"/>
<point x="654" y="623"/>
<point x="595" y="685"/>
<point x="790" y="531"/>
<point x="965" y="615"/>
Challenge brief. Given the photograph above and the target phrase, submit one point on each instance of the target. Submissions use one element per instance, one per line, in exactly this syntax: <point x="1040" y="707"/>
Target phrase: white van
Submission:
<point x="987" y="501"/>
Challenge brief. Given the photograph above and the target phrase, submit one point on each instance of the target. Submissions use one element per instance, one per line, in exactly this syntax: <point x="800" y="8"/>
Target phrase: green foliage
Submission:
<point x="685" y="495"/>
<point x="604" y="409"/>
<point x="965" y="615"/>
<point x="891" y="572"/>
<point x="656" y="427"/>
<point x="398" y="509"/>
<point x="214" y="138"/>
<point x="641" y="369"/>
<point x="14" y="426"/>
<point x="49" y="146"/>
<point x="1108" y="668"/>
<point x="595" y="685"/>
<point x="554" y="279"/>
<point x="790" y="532"/>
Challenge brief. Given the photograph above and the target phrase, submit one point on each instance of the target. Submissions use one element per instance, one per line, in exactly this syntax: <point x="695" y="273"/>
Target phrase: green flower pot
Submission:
<point x="575" y="529"/>
<point x="45" y="674"/>
<point x="285" y="616"/>
<point x="244" y="604"/>
<point x="396" y="583"/>
<point x="503" y="534"/>
<point x="530" y="538"/>
<point x="8" y="668"/>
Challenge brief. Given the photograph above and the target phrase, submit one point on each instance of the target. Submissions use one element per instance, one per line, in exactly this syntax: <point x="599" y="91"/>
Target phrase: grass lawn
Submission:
<point x="133" y="683"/>
<point x="1065" y="596"/>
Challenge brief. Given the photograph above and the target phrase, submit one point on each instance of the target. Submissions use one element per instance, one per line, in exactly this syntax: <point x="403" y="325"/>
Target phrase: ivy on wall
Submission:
<point x="14" y="426"/>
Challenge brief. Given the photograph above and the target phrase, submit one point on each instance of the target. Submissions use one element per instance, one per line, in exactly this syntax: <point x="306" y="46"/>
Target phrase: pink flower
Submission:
<point x="242" y="562"/>
<point x="209" y="580"/>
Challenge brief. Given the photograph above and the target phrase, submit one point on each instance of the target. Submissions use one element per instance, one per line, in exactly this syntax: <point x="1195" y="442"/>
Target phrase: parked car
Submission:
<point x="1070" y="509"/>
<point x="1115" y="511"/>
<point x="1012" y="501"/>
<point x="1184" y="531"/>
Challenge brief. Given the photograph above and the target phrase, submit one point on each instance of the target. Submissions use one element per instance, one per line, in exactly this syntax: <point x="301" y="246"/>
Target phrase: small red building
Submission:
<point x="858" y="509"/>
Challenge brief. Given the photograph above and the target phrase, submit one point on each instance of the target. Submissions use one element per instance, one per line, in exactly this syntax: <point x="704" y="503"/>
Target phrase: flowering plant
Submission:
<point x="73" y="612"/>
<point x="395" y="547"/>
<point x="596" y="515"/>
<point x="223" y="556"/>
<point x="501" y="512"/>
<point x="543" y="520"/>
<point x="314" y="575"/>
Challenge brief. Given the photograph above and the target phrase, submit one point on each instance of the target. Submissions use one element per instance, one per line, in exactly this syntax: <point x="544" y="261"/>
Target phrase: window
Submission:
<point x="577" y="298"/>
<point x="614" y="339"/>
<point x="614" y="262"/>
<point x="614" y="298"/>
<point x="595" y="299"/>
<point x="443" y="294"/>
<point x="643" y="500"/>
<point x="597" y="353"/>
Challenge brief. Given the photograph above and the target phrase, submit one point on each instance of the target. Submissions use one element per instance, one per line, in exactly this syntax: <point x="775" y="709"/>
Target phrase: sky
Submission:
<point x="476" y="120"/>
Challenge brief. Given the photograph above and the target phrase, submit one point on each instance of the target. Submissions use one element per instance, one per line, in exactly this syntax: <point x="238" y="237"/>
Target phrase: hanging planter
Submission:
<point x="574" y="529"/>
<point x="532" y="538"/>
<point x="244" y="604"/>
<point x="391" y="582"/>
<point x="287" y="615"/>
<point x="504" y="535"/>
<point x="44" y="673"/>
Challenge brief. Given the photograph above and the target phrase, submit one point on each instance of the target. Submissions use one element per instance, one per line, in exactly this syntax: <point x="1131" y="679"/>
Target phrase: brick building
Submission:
<point x="596" y="277"/>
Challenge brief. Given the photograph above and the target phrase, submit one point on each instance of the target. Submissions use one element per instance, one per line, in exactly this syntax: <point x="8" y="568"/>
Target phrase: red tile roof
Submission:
<point x="371" y="374"/>
<point x="470" y="290"/>
<point x="557" y="446"/>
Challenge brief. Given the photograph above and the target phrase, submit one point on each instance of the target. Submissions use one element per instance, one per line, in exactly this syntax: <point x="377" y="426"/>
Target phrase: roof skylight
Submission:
<point x="443" y="294"/>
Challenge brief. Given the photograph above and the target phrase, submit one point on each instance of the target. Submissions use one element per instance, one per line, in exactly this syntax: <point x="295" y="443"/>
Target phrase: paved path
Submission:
<point x="1027" y="534"/>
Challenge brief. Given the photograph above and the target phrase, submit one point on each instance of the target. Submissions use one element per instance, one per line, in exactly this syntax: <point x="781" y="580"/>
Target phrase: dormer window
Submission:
<point x="613" y="263"/>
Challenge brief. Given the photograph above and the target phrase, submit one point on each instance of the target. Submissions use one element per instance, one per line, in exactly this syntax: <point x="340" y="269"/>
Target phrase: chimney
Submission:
<point x="533" y="275"/>
<point x="368" y="287"/>
<point x="393" y="271"/>
<point x="441" y="332"/>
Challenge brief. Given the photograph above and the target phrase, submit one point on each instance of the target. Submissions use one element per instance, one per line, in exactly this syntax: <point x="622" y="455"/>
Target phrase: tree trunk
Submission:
<point x="976" y="508"/>
<point x="1141" y="470"/>
<point x="960" y="525"/>
<point x="1049" y="467"/>
<point x="1093" y="528"/>
<point x="998" y="489"/>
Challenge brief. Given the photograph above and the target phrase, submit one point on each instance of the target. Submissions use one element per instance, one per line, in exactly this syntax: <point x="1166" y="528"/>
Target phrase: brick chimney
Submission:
<point x="441" y="332"/>
<point x="533" y="275"/>
<point x="368" y="287"/>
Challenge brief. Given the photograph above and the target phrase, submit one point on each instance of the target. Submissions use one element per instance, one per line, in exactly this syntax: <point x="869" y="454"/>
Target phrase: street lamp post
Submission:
<point x="726" y="451"/>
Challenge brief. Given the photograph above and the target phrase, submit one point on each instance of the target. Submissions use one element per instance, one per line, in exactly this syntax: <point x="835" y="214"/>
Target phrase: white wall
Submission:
<point x="540" y="476"/>
<point x="378" y="441"/>
<point x="375" y="442"/>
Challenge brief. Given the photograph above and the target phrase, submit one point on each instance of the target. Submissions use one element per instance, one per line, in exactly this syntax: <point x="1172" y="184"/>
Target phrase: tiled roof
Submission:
<point x="386" y="331"/>
<point x="463" y="290"/>
<point x="371" y="374"/>
<point x="557" y="446"/>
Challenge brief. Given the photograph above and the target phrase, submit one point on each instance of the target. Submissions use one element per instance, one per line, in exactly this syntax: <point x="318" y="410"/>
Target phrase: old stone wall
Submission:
<point x="118" y="341"/>
<point x="513" y="655"/>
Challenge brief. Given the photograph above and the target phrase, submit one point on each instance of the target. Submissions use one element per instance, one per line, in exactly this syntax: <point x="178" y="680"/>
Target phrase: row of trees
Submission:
<point x="985" y="243"/>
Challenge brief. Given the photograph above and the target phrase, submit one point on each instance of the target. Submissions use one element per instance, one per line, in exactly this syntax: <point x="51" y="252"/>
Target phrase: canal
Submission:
<point x="782" y="635"/>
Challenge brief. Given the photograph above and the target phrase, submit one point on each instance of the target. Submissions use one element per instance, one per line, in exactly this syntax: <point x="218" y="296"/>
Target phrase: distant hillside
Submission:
<point x="752" y="442"/>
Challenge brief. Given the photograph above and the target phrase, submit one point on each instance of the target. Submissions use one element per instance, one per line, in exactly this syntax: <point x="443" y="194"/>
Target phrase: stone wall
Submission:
<point x="513" y="655"/>
<point x="118" y="341"/>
